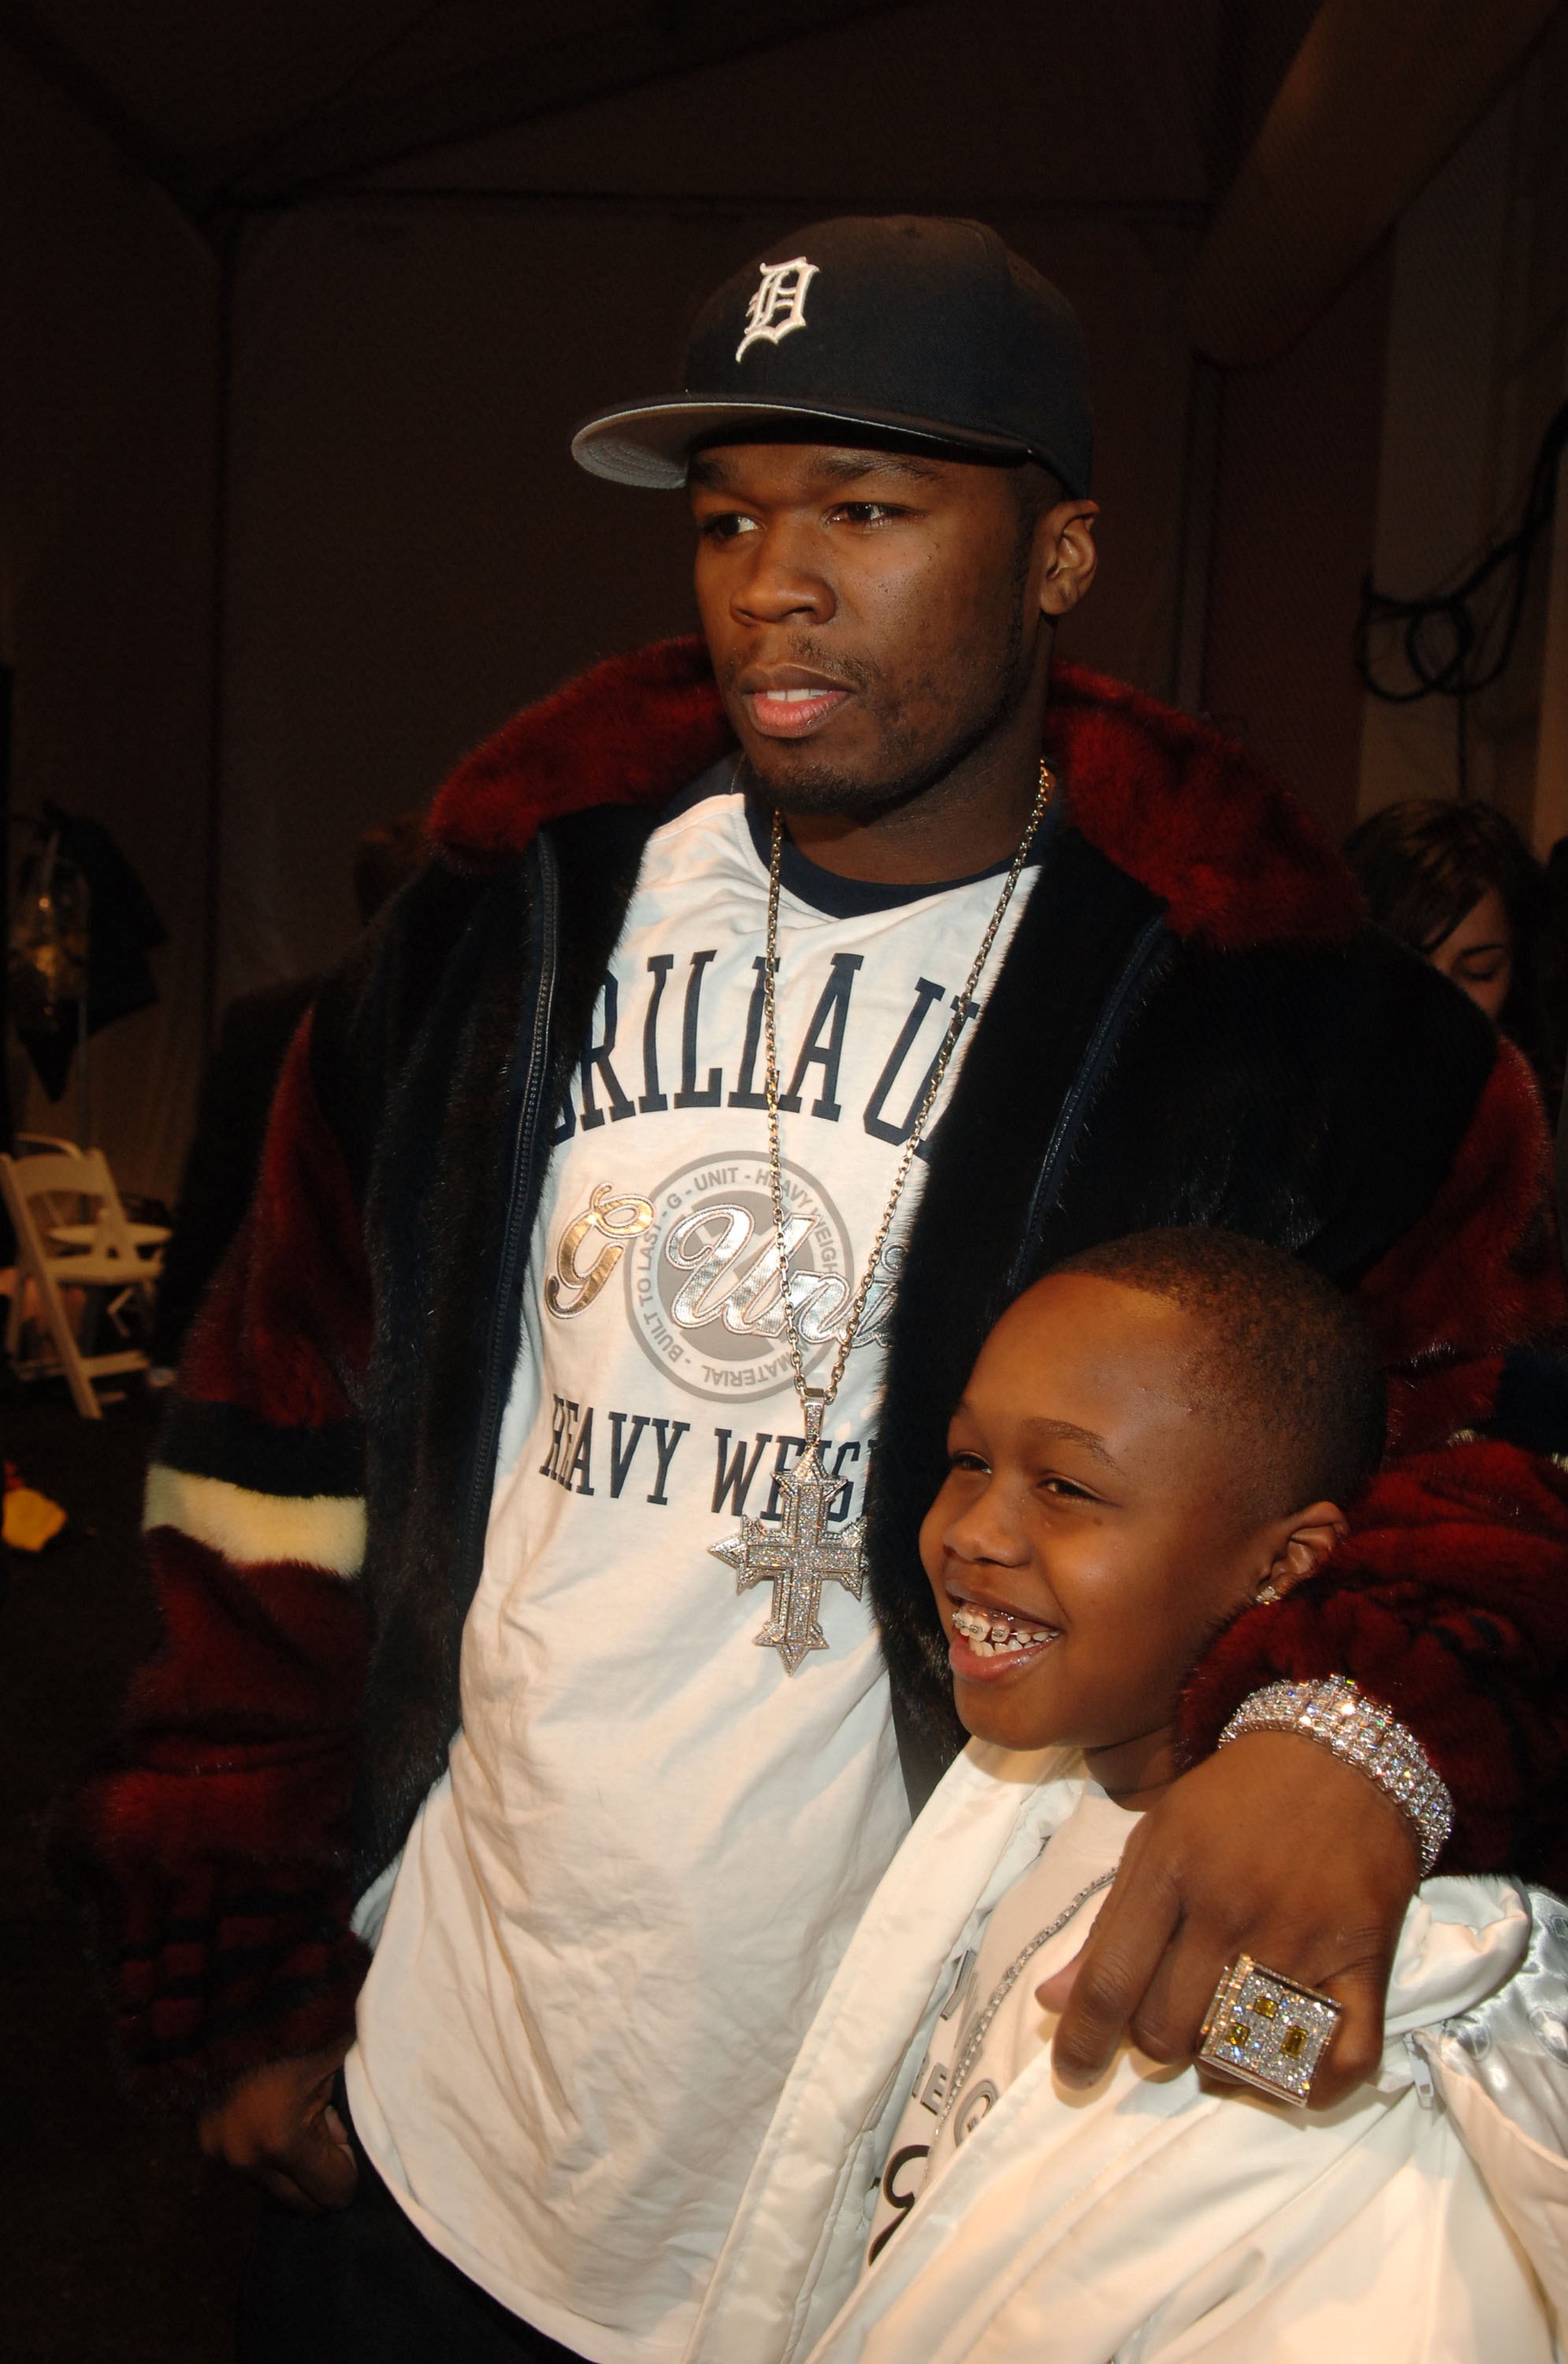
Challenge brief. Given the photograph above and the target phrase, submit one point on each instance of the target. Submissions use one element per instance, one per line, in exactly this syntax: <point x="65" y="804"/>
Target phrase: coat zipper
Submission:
<point x="520" y="1194"/>
<point x="1075" y="1108"/>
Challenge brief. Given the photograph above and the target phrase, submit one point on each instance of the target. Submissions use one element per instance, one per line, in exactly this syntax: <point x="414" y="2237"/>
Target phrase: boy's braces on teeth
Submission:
<point x="992" y="1635"/>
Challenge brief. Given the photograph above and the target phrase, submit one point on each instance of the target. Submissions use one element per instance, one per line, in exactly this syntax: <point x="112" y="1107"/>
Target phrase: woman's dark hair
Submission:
<point x="1423" y="863"/>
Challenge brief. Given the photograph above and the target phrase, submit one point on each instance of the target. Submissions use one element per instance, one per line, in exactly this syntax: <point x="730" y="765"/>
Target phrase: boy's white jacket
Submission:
<point x="1153" y="2218"/>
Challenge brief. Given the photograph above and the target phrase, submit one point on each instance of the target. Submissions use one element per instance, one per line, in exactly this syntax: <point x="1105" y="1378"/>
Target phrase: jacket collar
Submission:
<point x="1233" y="857"/>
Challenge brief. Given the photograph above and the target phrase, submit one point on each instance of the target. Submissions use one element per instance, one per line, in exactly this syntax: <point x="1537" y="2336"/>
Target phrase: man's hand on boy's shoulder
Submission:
<point x="1274" y="1848"/>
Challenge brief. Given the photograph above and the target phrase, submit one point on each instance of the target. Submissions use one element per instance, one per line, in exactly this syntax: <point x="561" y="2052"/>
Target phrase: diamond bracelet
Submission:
<point x="1336" y="1712"/>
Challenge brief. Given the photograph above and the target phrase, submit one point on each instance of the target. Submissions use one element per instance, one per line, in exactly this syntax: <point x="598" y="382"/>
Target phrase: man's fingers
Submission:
<point x="1055" y="1992"/>
<point x="313" y="2176"/>
<point x="1168" y="2022"/>
<point x="283" y="2187"/>
<point x="318" y="2159"/>
<point x="1175" y="2000"/>
<point x="1113" y="1972"/>
<point x="323" y="2169"/>
<point x="239" y="2148"/>
<point x="279" y="2127"/>
<point x="1166" y="2025"/>
<point x="1355" y="2049"/>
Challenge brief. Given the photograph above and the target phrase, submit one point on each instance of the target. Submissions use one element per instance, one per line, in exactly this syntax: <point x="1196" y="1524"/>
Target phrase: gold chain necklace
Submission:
<point x="802" y="1552"/>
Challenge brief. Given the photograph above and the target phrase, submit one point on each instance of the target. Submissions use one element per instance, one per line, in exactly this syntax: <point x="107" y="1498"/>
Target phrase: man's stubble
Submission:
<point x="909" y="765"/>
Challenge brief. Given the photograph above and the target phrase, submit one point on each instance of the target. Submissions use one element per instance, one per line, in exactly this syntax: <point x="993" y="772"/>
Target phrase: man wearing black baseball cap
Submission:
<point x="538" y="1516"/>
<point x="929" y="331"/>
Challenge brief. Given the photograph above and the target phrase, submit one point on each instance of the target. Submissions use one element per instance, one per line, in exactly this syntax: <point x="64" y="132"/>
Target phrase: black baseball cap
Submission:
<point x="926" y="330"/>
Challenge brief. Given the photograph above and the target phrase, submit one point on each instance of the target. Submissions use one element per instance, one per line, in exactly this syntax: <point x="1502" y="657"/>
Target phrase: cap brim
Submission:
<point x="651" y="442"/>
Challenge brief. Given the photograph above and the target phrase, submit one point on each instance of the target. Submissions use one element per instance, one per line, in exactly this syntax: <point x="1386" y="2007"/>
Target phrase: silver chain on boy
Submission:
<point x="1004" y="1988"/>
<point x="802" y="1552"/>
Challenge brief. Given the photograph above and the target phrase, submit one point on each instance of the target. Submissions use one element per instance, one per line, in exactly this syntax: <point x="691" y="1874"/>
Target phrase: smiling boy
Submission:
<point x="1201" y="1472"/>
<point x="1155" y="1438"/>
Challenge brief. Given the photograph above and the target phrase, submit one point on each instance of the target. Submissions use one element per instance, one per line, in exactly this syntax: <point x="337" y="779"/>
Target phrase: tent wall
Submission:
<point x="1295" y="494"/>
<point x="106" y="475"/>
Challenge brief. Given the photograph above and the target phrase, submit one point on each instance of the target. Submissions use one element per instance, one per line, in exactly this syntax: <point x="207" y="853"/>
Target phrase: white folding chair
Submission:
<point x="45" y="1145"/>
<point x="99" y="1252"/>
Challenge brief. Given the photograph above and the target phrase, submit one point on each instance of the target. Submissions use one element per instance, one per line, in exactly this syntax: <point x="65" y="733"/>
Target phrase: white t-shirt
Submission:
<point x="984" y="2054"/>
<point x="615" y="1917"/>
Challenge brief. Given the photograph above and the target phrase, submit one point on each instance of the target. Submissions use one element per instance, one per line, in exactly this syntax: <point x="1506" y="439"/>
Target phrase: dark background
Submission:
<point x="299" y="304"/>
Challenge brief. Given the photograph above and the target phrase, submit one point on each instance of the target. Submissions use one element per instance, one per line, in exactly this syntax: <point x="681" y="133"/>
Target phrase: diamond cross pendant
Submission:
<point x="801" y="1555"/>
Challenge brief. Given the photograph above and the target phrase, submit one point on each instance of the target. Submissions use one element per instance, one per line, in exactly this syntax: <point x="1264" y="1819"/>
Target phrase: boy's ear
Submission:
<point x="1306" y="1542"/>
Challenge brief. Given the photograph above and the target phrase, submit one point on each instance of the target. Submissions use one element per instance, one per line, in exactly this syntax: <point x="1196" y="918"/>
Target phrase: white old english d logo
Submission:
<point x="779" y="303"/>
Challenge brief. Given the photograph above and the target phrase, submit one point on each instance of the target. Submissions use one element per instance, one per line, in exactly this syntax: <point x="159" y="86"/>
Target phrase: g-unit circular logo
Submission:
<point x="703" y="1284"/>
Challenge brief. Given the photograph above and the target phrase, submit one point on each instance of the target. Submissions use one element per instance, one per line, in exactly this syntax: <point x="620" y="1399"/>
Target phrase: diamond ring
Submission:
<point x="1266" y="2031"/>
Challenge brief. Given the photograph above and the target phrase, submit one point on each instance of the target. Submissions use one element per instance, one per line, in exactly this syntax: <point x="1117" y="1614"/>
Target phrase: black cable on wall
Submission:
<point x="1457" y="642"/>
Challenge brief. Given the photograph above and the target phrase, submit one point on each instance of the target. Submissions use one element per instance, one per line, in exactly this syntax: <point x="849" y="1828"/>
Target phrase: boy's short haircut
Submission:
<point x="1285" y="1348"/>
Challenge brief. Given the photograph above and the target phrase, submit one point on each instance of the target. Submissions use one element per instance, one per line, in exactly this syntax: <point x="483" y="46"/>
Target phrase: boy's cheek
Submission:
<point x="932" y="1556"/>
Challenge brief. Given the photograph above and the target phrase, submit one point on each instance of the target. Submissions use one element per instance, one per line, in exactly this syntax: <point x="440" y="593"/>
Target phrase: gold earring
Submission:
<point x="1267" y="1594"/>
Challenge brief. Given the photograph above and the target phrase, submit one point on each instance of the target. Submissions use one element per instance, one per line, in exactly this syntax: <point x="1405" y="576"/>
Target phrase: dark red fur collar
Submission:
<point x="1231" y="854"/>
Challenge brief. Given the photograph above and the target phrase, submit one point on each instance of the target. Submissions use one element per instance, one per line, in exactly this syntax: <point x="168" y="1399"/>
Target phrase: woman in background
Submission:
<point x="1457" y="883"/>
